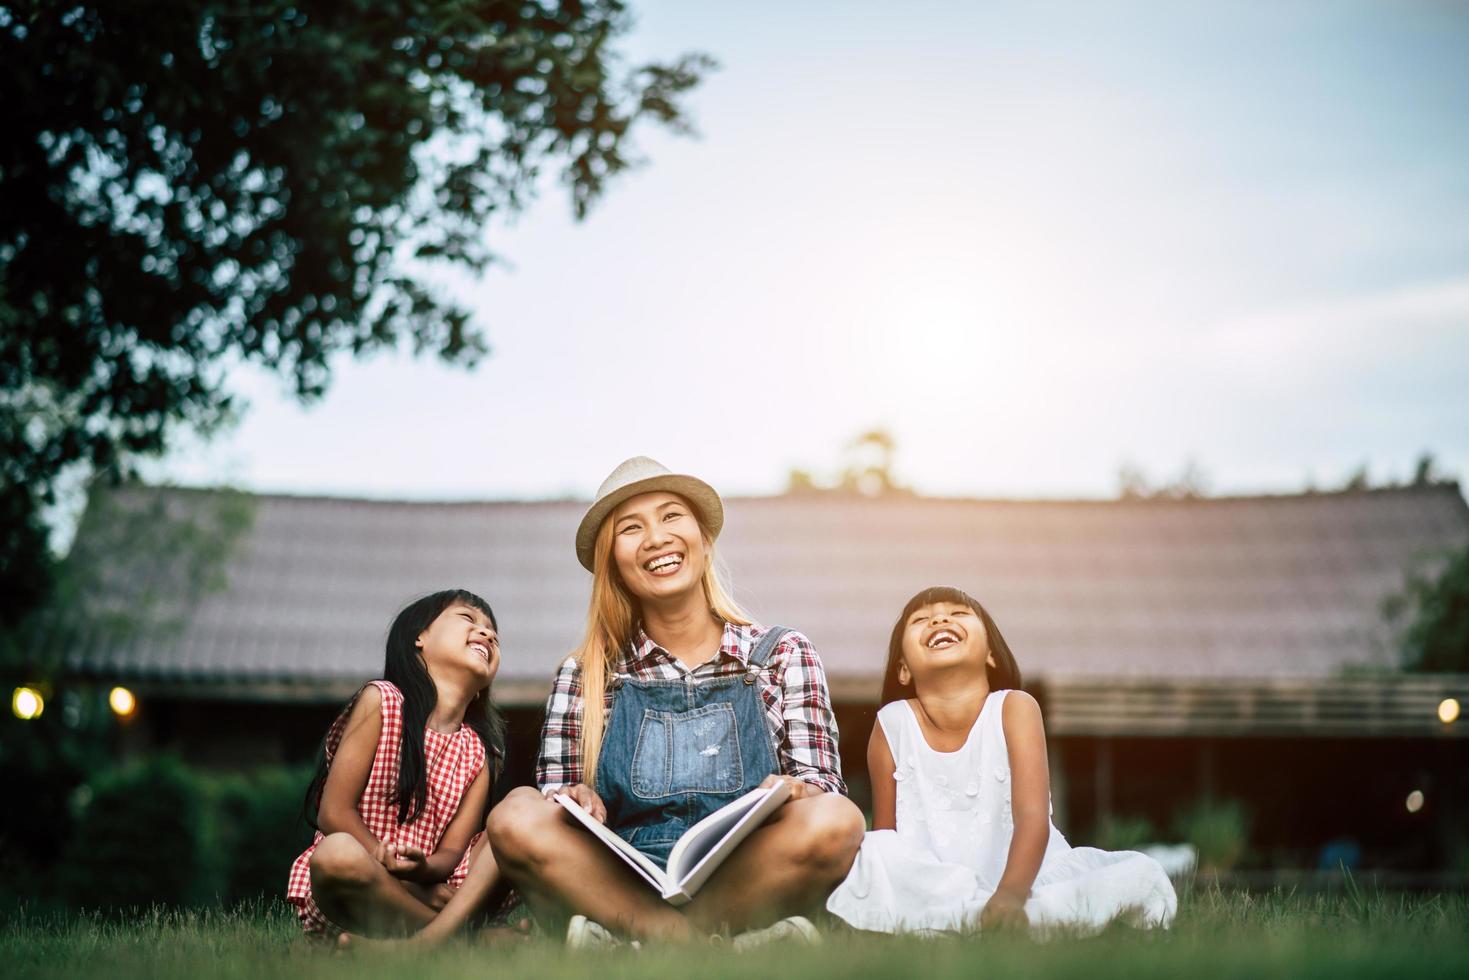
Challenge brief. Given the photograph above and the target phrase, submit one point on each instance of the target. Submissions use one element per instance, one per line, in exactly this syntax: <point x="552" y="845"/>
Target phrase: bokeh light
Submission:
<point x="27" y="703"/>
<point x="1415" y="801"/>
<point x="1448" y="710"/>
<point x="122" y="702"/>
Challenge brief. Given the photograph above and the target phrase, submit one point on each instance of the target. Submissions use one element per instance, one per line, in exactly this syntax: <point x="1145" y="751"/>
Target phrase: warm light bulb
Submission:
<point x="27" y="703"/>
<point x="1415" y="801"/>
<point x="122" y="702"/>
<point x="1448" y="710"/>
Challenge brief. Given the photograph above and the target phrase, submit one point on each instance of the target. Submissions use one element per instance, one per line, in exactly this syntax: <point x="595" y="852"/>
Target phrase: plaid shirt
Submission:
<point x="793" y="691"/>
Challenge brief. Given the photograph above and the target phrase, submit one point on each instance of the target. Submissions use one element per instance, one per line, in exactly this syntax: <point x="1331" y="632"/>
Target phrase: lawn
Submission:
<point x="1217" y="934"/>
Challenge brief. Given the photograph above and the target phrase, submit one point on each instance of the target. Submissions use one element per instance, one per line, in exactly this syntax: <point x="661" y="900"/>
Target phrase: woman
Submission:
<point x="664" y="640"/>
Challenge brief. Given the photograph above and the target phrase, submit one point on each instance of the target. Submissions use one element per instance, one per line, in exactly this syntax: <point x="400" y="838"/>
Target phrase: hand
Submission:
<point x="584" y="795"/>
<point x="401" y="860"/>
<point x="1004" y="912"/>
<point x="800" y="789"/>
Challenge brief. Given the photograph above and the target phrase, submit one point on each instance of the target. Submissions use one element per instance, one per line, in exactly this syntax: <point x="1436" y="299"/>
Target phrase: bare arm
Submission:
<point x="880" y="768"/>
<point x="461" y="830"/>
<point x="1030" y="808"/>
<point x="351" y="765"/>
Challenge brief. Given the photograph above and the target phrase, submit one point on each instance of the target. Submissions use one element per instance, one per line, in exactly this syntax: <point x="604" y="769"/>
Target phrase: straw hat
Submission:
<point x="643" y="475"/>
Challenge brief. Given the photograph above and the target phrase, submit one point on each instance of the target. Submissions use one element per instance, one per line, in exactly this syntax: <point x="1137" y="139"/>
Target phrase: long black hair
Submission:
<point x="403" y="667"/>
<point x="1004" y="674"/>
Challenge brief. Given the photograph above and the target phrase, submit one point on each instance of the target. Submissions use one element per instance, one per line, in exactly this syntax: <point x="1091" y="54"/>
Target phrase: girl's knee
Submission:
<point x="340" y="860"/>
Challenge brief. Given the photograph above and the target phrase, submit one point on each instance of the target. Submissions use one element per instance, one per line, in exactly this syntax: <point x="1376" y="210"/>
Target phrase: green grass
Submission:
<point x="1217" y="934"/>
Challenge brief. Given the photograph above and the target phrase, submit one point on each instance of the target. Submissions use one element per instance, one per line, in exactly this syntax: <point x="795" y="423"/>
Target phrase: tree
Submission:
<point x="1132" y="482"/>
<point x="801" y="481"/>
<point x="867" y="469"/>
<point x="869" y="464"/>
<point x="1192" y="483"/>
<point x="1425" y="471"/>
<point x="1434" y="614"/>
<point x="1358" y="480"/>
<point x="185" y="186"/>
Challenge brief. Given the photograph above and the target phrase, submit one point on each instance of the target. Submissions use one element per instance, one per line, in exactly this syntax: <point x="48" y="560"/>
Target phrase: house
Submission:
<point x="1181" y="649"/>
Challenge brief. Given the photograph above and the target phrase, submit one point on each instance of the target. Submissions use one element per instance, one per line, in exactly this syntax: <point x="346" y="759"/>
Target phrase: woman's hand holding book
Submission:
<point x="800" y="789"/>
<point x="583" y="795"/>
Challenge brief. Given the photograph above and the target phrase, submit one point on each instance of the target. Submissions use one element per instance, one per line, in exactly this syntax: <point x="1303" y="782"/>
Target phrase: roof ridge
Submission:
<point x="1436" y="488"/>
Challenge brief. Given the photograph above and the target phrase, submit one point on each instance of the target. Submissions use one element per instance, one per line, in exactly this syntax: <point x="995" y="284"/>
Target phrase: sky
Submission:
<point x="1032" y="241"/>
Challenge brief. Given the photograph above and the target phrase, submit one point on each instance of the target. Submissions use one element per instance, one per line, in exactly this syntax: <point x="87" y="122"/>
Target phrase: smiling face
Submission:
<point x="461" y="639"/>
<point x="658" y="546"/>
<point x="941" y="636"/>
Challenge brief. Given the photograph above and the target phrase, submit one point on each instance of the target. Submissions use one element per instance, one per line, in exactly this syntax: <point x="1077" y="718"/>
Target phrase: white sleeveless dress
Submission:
<point x="941" y="865"/>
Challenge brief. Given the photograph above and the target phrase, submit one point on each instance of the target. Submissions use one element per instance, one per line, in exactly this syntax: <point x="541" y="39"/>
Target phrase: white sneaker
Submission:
<point x="583" y="933"/>
<point x="795" y="928"/>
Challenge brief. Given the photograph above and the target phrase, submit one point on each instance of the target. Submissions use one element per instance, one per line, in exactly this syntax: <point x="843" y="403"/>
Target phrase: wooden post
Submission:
<point x="1104" y="778"/>
<point x="1205" y="755"/>
<point x="1058" y="783"/>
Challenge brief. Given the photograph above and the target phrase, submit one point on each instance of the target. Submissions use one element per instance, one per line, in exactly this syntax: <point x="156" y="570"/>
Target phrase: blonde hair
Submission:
<point x="611" y="619"/>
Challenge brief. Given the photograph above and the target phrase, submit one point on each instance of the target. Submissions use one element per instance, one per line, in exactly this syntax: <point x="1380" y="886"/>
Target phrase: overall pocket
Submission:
<point x="694" y="751"/>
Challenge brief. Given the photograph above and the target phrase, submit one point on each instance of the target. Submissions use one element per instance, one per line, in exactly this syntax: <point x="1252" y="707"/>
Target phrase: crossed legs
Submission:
<point x="784" y="867"/>
<point x="359" y="895"/>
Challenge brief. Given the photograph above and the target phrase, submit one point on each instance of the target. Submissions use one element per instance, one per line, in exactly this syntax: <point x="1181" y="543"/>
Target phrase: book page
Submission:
<point x="706" y="844"/>
<point x="639" y="862"/>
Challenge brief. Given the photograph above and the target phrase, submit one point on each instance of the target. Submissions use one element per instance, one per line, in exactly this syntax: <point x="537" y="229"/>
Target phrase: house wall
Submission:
<point x="1298" y="792"/>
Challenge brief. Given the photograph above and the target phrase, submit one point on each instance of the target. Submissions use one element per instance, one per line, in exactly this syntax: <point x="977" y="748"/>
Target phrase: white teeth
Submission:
<point x="943" y="638"/>
<point x="667" y="561"/>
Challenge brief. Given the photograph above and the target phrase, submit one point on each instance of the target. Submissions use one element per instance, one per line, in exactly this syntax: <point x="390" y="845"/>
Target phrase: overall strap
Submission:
<point x="767" y="645"/>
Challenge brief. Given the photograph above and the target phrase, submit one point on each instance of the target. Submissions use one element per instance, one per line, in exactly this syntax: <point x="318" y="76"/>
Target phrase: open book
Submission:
<point x="701" y="849"/>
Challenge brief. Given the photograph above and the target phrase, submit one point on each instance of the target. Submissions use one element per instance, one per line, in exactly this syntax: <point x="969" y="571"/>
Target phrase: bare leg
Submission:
<point x="358" y="894"/>
<point x="562" y="870"/>
<point x="434" y="896"/>
<point x="788" y="866"/>
<point x="471" y="898"/>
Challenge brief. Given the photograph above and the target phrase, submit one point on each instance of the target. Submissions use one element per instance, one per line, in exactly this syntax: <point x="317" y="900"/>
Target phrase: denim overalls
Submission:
<point x="677" y="750"/>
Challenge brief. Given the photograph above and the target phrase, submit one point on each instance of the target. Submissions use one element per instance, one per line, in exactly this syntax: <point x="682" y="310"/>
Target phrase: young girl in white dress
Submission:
<point x="961" y="798"/>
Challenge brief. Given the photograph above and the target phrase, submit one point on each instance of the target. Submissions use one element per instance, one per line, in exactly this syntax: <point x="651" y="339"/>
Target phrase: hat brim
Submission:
<point x="698" y="493"/>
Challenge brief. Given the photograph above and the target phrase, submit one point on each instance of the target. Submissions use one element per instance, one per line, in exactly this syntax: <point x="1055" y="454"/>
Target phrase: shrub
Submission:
<point x="138" y="838"/>
<point x="159" y="832"/>
<point x="1218" y="829"/>
<point x="256" y="829"/>
<point x="1117" y="833"/>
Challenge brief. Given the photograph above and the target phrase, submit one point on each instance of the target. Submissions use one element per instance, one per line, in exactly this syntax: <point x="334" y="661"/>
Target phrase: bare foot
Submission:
<point x="349" y="942"/>
<point x="503" y="935"/>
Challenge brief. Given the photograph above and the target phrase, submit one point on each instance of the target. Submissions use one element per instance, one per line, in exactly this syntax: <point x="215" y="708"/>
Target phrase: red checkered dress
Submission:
<point x="452" y="760"/>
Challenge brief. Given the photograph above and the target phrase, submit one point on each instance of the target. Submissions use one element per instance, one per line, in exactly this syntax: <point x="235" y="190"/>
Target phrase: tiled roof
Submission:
<point x="1286" y="586"/>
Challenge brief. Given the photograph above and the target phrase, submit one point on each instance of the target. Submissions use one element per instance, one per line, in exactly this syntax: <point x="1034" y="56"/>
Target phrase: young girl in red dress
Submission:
<point x="401" y="793"/>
